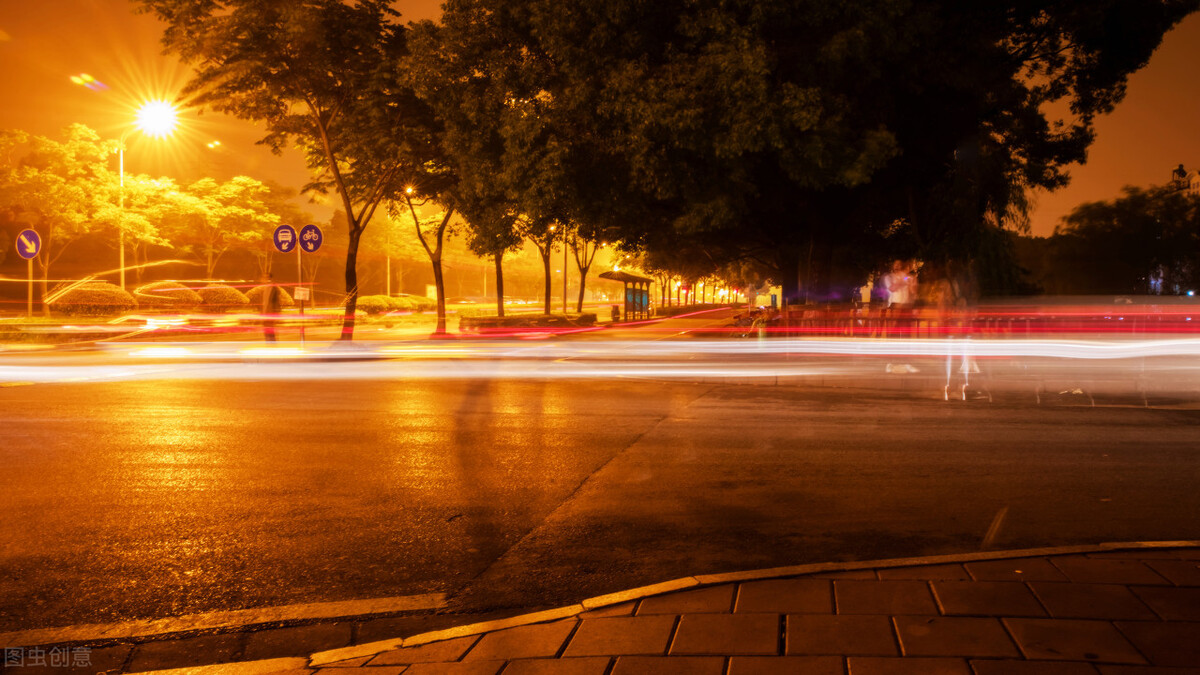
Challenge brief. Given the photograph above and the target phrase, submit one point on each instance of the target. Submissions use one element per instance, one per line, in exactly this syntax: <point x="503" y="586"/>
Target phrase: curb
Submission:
<point x="227" y="620"/>
<point x="262" y="667"/>
<point x="373" y="648"/>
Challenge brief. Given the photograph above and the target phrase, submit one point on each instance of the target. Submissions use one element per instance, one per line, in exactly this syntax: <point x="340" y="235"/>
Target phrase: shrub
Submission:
<point x="422" y="304"/>
<point x="95" y="298"/>
<point x="400" y="304"/>
<point x="374" y="305"/>
<point x="255" y="296"/>
<point x="501" y="324"/>
<point x="222" y="298"/>
<point x="166" y="295"/>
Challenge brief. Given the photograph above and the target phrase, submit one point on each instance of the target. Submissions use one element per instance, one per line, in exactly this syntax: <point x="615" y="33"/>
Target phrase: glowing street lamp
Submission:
<point x="156" y="119"/>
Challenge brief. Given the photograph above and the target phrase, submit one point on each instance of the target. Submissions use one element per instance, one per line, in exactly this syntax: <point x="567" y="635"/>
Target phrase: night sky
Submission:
<point x="44" y="43"/>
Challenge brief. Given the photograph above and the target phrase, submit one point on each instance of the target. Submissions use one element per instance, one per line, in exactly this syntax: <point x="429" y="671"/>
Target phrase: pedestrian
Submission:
<point x="616" y="313"/>
<point x="270" y="309"/>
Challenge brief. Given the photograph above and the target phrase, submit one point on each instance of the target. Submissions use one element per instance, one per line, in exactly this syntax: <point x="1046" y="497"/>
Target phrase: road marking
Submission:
<point x="236" y="618"/>
<point x="994" y="530"/>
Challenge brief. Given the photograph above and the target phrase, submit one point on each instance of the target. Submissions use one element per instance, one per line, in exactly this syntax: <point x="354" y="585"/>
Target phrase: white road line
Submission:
<point x="226" y="619"/>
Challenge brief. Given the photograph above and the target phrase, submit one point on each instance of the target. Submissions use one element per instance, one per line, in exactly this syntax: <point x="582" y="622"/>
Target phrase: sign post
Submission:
<point x="311" y="239"/>
<point x="29" y="244"/>
<point x="285" y="240"/>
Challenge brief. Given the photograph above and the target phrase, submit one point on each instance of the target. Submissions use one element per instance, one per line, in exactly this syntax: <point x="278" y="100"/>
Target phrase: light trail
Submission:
<point x="944" y="365"/>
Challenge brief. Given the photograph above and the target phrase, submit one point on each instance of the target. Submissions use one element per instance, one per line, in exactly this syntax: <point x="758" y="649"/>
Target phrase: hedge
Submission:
<point x="255" y="296"/>
<point x="374" y="305"/>
<point x="490" y="324"/>
<point x="166" y="295"/>
<point x="95" y="298"/>
<point x="222" y="298"/>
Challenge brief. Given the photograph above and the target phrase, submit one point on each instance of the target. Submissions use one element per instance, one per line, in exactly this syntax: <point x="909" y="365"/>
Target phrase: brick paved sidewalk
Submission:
<point x="1101" y="613"/>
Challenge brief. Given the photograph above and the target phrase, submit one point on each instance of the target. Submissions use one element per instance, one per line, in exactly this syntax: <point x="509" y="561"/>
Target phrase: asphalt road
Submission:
<point x="150" y="498"/>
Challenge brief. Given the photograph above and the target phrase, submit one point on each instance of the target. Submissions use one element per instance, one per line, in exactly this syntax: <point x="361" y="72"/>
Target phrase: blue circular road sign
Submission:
<point x="29" y="244"/>
<point x="285" y="238"/>
<point x="311" y="238"/>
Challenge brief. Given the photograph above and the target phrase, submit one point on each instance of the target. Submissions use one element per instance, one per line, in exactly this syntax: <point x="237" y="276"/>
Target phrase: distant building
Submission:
<point x="1186" y="181"/>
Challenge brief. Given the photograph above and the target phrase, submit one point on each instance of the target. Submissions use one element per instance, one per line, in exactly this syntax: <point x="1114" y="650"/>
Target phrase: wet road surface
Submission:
<point x="151" y="498"/>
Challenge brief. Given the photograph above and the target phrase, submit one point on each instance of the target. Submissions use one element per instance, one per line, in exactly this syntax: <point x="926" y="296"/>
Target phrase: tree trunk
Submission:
<point x="45" y="284"/>
<point x="582" y="284"/>
<point x="351" y="285"/>
<point x="499" y="258"/>
<point x="546" y="269"/>
<point x="439" y="282"/>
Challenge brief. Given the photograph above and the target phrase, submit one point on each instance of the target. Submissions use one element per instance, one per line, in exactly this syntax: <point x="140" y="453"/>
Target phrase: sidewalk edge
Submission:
<point x="372" y="648"/>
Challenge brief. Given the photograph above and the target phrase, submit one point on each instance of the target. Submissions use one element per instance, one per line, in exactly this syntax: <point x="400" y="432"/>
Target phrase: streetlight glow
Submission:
<point x="157" y="118"/>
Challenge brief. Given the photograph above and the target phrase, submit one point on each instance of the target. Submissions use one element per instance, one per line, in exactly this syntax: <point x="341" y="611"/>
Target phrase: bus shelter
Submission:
<point x="636" y="293"/>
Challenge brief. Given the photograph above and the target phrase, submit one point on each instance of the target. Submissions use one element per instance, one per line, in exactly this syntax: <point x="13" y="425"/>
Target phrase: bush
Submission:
<point x="166" y="295"/>
<point x="95" y="298"/>
<point x="504" y="324"/>
<point x="422" y="304"/>
<point x="374" y="305"/>
<point x="402" y="304"/>
<point x="255" y="297"/>
<point x="222" y="298"/>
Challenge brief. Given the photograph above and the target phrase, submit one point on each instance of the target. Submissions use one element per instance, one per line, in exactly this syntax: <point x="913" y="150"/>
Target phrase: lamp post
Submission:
<point x="155" y="119"/>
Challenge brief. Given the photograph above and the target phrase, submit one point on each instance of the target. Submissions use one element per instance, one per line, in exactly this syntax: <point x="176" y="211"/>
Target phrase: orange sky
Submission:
<point x="44" y="42"/>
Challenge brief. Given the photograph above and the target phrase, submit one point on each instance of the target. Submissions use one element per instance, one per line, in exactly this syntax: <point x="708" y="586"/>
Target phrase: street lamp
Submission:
<point x="155" y="119"/>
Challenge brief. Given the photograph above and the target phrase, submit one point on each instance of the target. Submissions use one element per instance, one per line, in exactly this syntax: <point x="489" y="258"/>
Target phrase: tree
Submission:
<point x="279" y="201"/>
<point x="322" y="74"/>
<point x="542" y="232"/>
<point x="431" y="232"/>
<point x="585" y="242"/>
<point x="139" y="214"/>
<point x="55" y="187"/>
<point x="1145" y="241"/>
<point x="492" y="232"/>
<point x="800" y="132"/>
<point x="209" y="218"/>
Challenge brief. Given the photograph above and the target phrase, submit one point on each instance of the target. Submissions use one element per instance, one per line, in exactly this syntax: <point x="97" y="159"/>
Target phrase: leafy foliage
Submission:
<point x="97" y="298"/>
<point x="166" y="294"/>
<point x="221" y="298"/>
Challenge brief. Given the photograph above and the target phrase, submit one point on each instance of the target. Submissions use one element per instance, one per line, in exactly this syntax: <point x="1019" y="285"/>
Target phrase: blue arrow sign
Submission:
<point x="28" y="244"/>
<point x="310" y="238"/>
<point x="285" y="238"/>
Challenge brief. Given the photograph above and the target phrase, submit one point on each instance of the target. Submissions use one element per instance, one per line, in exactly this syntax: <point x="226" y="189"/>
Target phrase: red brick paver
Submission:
<point x="953" y="636"/>
<point x="674" y="665"/>
<point x="1086" y="570"/>
<point x="1178" y="572"/>
<point x="883" y="597"/>
<point x="986" y="598"/>
<point x="1165" y="643"/>
<point x="1170" y="603"/>
<point x="786" y="665"/>
<point x="1016" y="569"/>
<point x="525" y="642"/>
<point x="953" y="572"/>
<point x="1091" y="601"/>
<point x="726" y="634"/>
<point x="1071" y="640"/>
<point x="786" y="596"/>
<point x="477" y="668"/>
<point x="860" y="665"/>
<point x="591" y="665"/>
<point x="1010" y="667"/>
<point x="713" y="599"/>
<point x="617" y="636"/>
<point x="813" y="634"/>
